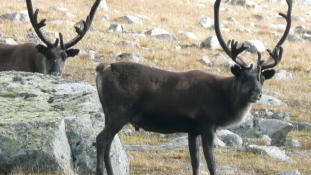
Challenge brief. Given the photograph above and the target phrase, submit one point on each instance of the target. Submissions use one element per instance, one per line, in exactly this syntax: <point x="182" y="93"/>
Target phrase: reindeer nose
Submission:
<point x="255" y="95"/>
<point x="55" y="70"/>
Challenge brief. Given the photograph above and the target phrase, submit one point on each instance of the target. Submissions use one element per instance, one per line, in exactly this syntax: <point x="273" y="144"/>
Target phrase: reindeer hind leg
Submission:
<point x="103" y="143"/>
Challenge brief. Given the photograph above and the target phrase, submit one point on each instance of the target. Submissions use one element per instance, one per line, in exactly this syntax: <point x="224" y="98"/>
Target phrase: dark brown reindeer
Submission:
<point x="195" y="102"/>
<point x="49" y="59"/>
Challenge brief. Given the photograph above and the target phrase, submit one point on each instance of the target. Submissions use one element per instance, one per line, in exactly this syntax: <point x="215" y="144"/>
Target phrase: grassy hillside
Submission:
<point x="178" y="16"/>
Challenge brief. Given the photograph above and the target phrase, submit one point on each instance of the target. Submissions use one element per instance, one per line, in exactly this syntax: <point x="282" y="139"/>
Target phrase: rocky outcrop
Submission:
<point x="48" y="124"/>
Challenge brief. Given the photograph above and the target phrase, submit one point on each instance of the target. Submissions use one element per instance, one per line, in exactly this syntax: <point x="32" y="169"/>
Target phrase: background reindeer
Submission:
<point x="195" y="102"/>
<point x="49" y="59"/>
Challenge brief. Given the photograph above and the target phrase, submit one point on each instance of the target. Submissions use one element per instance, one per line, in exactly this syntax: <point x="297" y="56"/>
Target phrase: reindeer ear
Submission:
<point x="41" y="48"/>
<point x="72" y="52"/>
<point x="236" y="70"/>
<point x="268" y="73"/>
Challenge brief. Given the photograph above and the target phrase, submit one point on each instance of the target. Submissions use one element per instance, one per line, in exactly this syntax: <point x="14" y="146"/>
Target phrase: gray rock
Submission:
<point x="10" y="41"/>
<point x="128" y="44"/>
<point x="131" y="56"/>
<point x="212" y="43"/>
<point x="229" y="64"/>
<point x="238" y="2"/>
<point x="167" y="36"/>
<point x="282" y="74"/>
<point x="231" y="20"/>
<point x="219" y="59"/>
<point x="69" y="15"/>
<point x="62" y="22"/>
<point x="178" y="143"/>
<point x="139" y="147"/>
<point x="218" y="143"/>
<point x="277" y="1"/>
<point x="181" y="142"/>
<point x="298" y="18"/>
<point x="271" y="101"/>
<point x="264" y="113"/>
<point x="61" y="9"/>
<point x="129" y="20"/>
<point x="92" y="53"/>
<point x="20" y="16"/>
<point x="51" y="125"/>
<point x="289" y="172"/>
<point x="103" y="5"/>
<point x="246" y="128"/>
<point x="184" y="46"/>
<point x="281" y="116"/>
<point x="302" y="126"/>
<point x="263" y="140"/>
<point x="294" y="38"/>
<point x="32" y="35"/>
<point x="299" y="29"/>
<point x="229" y="170"/>
<point x="306" y="37"/>
<point x="205" y="22"/>
<point x="251" y="4"/>
<point x="276" y="129"/>
<point x="229" y="138"/>
<point x="106" y="17"/>
<point x="156" y="31"/>
<point x="116" y="28"/>
<point x="255" y="45"/>
<point x="293" y="143"/>
<point x="271" y="151"/>
<point x="206" y="60"/>
<point x="302" y="30"/>
<point x="189" y="35"/>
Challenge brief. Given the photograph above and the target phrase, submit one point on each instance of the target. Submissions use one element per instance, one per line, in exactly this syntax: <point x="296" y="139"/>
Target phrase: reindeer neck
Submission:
<point x="231" y="94"/>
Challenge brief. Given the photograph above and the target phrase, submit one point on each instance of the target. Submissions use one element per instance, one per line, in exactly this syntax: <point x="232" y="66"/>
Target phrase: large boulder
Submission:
<point x="252" y="127"/>
<point x="20" y="16"/>
<point x="271" y="151"/>
<point x="48" y="124"/>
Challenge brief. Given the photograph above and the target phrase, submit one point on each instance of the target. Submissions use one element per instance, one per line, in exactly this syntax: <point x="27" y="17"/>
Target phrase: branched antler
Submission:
<point x="86" y="25"/>
<point x="34" y="21"/>
<point x="81" y="33"/>
<point x="235" y="51"/>
<point x="276" y="55"/>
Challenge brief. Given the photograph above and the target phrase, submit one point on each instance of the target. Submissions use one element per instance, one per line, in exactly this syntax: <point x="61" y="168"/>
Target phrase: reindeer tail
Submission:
<point x="102" y="67"/>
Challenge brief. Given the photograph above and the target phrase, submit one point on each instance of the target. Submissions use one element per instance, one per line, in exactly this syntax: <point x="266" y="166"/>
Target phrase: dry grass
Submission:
<point x="177" y="16"/>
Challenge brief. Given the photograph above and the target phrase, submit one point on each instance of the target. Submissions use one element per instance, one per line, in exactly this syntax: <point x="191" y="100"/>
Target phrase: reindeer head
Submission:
<point x="250" y="79"/>
<point x="56" y="54"/>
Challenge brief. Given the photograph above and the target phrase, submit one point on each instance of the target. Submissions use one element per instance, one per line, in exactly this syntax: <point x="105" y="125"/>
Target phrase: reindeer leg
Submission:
<point x="103" y="143"/>
<point x="208" y="149"/>
<point x="107" y="159"/>
<point x="193" y="141"/>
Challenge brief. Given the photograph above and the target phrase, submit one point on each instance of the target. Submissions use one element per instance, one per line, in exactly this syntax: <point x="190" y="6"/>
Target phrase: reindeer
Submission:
<point x="49" y="59"/>
<point x="195" y="102"/>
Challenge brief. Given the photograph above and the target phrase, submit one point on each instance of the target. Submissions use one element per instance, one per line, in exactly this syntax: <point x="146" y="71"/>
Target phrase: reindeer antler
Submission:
<point x="234" y="52"/>
<point x="86" y="25"/>
<point x="34" y="21"/>
<point x="276" y="55"/>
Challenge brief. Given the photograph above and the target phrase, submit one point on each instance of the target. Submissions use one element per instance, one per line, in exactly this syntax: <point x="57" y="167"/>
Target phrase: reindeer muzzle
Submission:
<point x="255" y="95"/>
<point x="55" y="70"/>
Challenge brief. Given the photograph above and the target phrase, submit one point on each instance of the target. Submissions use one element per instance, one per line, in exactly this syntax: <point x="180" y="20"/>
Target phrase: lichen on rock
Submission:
<point x="49" y="124"/>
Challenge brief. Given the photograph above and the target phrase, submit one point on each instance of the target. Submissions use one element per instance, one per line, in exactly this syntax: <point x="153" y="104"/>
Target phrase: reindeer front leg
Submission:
<point x="193" y="142"/>
<point x="208" y="148"/>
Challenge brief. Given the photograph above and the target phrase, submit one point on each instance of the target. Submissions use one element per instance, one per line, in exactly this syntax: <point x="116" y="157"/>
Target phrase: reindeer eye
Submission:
<point x="262" y="79"/>
<point x="64" y="56"/>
